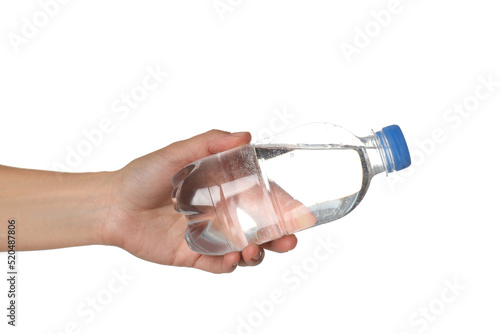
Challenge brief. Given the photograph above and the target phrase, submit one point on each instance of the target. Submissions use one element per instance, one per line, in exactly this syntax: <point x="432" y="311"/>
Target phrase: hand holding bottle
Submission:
<point x="144" y="222"/>
<point x="130" y="208"/>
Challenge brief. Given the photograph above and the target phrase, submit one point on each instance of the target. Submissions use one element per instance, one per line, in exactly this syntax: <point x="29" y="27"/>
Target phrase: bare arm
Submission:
<point x="53" y="210"/>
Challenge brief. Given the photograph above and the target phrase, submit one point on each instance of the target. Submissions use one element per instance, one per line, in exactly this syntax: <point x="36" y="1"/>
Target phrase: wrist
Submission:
<point x="85" y="202"/>
<point x="107" y="184"/>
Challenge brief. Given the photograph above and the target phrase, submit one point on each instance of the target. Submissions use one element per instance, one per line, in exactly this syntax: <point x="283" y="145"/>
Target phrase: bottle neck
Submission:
<point x="379" y="153"/>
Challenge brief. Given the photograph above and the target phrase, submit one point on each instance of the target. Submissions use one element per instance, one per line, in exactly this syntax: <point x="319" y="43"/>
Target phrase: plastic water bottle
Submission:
<point x="304" y="177"/>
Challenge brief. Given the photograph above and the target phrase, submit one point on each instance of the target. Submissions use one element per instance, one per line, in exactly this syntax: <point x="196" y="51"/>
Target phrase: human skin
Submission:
<point x="129" y="208"/>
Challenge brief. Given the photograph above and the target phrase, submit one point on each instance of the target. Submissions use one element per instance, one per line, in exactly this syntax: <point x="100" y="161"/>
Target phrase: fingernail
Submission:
<point x="238" y="134"/>
<point x="258" y="256"/>
<point x="235" y="265"/>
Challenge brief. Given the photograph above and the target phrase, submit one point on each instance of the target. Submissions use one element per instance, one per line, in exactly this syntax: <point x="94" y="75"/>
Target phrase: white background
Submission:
<point x="437" y="222"/>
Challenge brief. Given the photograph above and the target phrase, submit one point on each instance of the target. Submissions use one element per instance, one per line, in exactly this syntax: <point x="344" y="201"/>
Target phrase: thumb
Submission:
<point x="186" y="151"/>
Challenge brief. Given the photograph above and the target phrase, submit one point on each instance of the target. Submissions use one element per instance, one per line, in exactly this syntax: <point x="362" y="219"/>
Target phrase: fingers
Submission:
<point x="205" y="144"/>
<point x="296" y="215"/>
<point x="218" y="264"/>
<point x="252" y="255"/>
<point x="281" y="245"/>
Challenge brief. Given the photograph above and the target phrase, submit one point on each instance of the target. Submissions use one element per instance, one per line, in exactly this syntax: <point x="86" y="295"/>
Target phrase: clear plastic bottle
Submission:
<point x="304" y="177"/>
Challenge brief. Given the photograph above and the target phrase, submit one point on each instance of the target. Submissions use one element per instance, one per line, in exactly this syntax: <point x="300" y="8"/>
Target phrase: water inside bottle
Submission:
<point x="254" y="194"/>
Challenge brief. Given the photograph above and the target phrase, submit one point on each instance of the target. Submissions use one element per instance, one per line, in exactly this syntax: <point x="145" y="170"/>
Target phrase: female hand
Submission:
<point x="142" y="219"/>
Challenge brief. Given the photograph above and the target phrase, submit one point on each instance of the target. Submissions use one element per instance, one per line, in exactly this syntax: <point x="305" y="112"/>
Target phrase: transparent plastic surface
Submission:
<point x="259" y="192"/>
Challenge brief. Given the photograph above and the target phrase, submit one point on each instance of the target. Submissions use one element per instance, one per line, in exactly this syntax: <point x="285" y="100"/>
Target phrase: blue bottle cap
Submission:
<point x="395" y="143"/>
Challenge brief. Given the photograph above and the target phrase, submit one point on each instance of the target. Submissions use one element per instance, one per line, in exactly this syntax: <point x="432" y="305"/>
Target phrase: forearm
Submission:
<point x="53" y="210"/>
